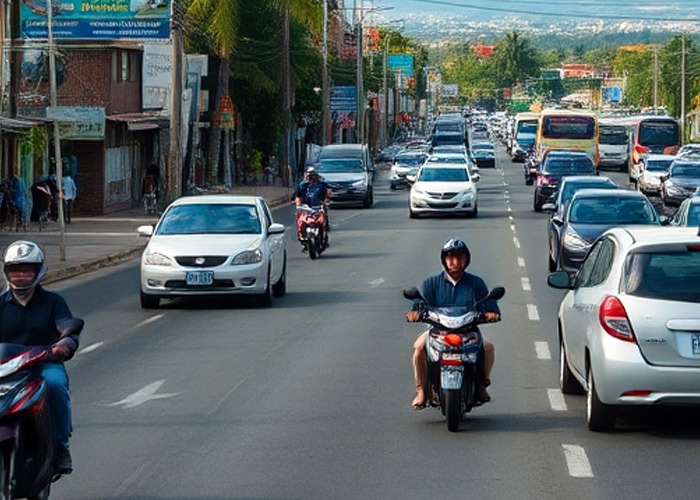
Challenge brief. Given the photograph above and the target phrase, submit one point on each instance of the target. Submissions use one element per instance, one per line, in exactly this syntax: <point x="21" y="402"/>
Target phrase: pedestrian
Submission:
<point x="70" y="191"/>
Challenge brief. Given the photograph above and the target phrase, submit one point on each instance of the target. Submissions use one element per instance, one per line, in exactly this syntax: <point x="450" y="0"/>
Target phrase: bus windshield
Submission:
<point x="569" y="127"/>
<point x="658" y="133"/>
<point x="527" y="128"/>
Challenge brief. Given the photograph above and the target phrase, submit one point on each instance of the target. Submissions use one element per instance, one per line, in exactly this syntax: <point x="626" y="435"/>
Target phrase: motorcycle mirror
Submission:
<point x="495" y="294"/>
<point x="412" y="293"/>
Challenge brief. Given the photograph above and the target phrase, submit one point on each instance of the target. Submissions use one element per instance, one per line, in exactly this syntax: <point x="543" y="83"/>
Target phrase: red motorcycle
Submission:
<point x="312" y="230"/>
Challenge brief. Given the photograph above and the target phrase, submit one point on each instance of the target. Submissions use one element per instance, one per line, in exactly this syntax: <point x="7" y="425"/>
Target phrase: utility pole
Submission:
<point x="656" y="79"/>
<point x="359" y="115"/>
<point x="384" y="113"/>
<point x="56" y="132"/>
<point x="287" y="102"/>
<point x="175" y="152"/>
<point x="325" y="123"/>
<point x="682" y="88"/>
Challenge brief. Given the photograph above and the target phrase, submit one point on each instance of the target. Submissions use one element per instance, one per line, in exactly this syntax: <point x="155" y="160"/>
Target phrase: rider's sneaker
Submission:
<point x="62" y="462"/>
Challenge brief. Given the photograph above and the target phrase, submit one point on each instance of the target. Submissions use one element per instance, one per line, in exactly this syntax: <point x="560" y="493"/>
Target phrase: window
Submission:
<point x="596" y="267"/>
<point x="126" y="66"/>
<point x="663" y="275"/>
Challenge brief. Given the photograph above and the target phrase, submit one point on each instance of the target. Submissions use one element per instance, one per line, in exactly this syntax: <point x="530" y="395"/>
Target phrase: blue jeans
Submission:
<point x="58" y="397"/>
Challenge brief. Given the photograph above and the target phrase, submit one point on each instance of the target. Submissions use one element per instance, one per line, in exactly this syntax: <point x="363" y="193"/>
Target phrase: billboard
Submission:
<point x="344" y="99"/>
<point x="79" y="122"/>
<point x="450" y="90"/>
<point x="402" y="62"/>
<point x="97" y="19"/>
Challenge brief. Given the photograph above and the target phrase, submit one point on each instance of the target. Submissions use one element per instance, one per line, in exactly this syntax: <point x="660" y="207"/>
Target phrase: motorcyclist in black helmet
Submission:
<point x="33" y="316"/>
<point x="449" y="288"/>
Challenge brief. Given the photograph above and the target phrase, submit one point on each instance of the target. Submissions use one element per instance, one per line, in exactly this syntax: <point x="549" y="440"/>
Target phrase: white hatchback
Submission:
<point x="629" y="327"/>
<point x="444" y="188"/>
<point x="214" y="244"/>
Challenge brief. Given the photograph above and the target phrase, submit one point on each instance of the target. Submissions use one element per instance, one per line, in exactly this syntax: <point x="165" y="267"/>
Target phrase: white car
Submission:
<point x="446" y="188"/>
<point x="629" y="327"/>
<point x="651" y="170"/>
<point x="214" y="244"/>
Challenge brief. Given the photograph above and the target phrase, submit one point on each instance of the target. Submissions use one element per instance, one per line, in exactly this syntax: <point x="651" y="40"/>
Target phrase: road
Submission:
<point x="217" y="399"/>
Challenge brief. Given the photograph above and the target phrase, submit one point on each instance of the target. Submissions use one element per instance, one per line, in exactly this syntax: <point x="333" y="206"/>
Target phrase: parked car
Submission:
<point x="590" y="213"/>
<point x="651" y="170"/>
<point x="555" y="165"/>
<point x="214" y="244"/>
<point x="688" y="213"/>
<point x="349" y="172"/>
<point x="443" y="189"/>
<point x="628" y="328"/>
<point x="405" y="163"/>
<point x="681" y="180"/>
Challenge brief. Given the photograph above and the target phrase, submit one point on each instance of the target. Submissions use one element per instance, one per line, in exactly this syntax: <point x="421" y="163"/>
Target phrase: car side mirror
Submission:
<point x="664" y="220"/>
<point x="146" y="231"/>
<point x="549" y="207"/>
<point x="663" y="178"/>
<point x="476" y="177"/>
<point x="276" y="228"/>
<point x="561" y="280"/>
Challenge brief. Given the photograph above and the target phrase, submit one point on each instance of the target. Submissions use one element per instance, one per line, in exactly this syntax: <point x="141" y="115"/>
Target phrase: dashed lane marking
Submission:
<point x="577" y="461"/>
<point x="376" y="283"/>
<point x="516" y="242"/>
<point x="556" y="400"/>
<point x="542" y="350"/>
<point x="521" y="262"/>
<point x="525" y="283"/>
<point x="532" y="312"/>
<point x="90" y="348"/>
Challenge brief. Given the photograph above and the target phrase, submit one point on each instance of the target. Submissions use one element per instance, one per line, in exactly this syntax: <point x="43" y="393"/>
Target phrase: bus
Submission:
<point x="566" y="129"/>
<point x="523" y="135"/>
<point x="614" y="144"/>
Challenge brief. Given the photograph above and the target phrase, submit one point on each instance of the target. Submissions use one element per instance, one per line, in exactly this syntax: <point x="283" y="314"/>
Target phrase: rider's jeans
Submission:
<point x="59" y="402"/>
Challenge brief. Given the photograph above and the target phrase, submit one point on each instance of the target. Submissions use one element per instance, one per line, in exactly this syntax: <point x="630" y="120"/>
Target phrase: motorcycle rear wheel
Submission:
<point x="453" y="409"/>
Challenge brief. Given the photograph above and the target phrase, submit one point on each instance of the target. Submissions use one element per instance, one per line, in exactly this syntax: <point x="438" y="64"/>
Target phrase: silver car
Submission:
<point x="629" y="327"/>
<point x="214" y="245"/>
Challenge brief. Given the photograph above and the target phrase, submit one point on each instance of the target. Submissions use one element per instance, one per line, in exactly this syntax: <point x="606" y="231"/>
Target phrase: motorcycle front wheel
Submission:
<point x="5" y="493"/>
<point x="313" y="247"/>
<point x="453" y="409"/>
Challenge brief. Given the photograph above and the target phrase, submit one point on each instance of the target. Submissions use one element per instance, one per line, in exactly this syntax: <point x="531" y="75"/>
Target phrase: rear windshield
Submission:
<point x="439" y="140"/>
<point x="613" y="136"/>
<point x="214" y="218"/>
<point x="685" y="170"/>
<point x="568" y="166"/>
<point x="570" y="188"/>
<point x="609" y="210"/>
<point x="410" y="160"/>
<point x="447" y="159"/>
<point x="444" y="175"/>
<point x="667" y="276"/>
<point x="661" y="133"/>
<point x="340" y="153"/>
<point x="658" y="165"/>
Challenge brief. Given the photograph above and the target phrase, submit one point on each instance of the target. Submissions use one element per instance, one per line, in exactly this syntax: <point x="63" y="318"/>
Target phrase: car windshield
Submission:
<point x="410" y="160"/>
<point x="658" y="165"/>
<point x="686" y="170"/>
<point x="610" y="210"/>
<point x="663" y="275"/>
<point x="570" y="189"/>
<point x="443" y="175"/>
<point x="568" y="165"/>
<point x="339" y="165"/>
<point x="210" y="218"/>
<point x="447" y="159"/>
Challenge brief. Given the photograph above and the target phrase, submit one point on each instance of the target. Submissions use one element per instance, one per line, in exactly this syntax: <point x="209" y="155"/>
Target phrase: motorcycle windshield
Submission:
<point x="13" y="357"/>
<point x="452" y="317"/>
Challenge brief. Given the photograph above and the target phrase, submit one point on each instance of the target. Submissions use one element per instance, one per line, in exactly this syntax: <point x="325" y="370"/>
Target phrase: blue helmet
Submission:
<point x="456" y="246"/>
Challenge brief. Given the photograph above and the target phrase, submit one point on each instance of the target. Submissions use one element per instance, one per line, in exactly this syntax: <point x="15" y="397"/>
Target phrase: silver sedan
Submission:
<point x="629" y="327"/>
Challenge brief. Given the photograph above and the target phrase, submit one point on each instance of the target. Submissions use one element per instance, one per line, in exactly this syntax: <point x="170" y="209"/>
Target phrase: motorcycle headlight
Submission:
<point x="157" y="259"/>
<point x="575" y="241"/>
<point x="248" y="257"/>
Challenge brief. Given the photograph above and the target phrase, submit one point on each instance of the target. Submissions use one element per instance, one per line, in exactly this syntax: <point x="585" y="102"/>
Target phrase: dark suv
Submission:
<point x="558" y="164"/>
<point x="349" y="171"/>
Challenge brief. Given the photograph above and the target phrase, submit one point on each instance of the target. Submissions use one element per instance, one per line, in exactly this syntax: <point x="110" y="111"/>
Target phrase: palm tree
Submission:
<point x="514" y="59"/>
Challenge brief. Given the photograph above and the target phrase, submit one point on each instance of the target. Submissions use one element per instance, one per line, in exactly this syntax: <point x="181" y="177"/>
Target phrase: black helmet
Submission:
<point x="454" y="245"/>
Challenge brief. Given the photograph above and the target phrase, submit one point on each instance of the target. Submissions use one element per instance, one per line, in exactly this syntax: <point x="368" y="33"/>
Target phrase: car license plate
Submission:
<point x="696" y="343"/>
<point x="199" y="278"/>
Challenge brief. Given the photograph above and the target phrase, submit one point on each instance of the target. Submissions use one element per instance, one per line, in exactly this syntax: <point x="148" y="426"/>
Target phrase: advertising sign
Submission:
<point x="83" y="123"/>
<point x="450" y="90"/>
<point x="403" y="62"/>
<point x="612" y="94"/>
<point x="97" y="19"/>
<point x="344" y="99"/>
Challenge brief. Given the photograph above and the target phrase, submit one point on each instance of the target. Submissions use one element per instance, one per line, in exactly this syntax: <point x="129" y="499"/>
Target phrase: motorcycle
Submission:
<point x="454" y="355"/>
<point x="530" y="168"/>
<point x="311" y="229"/>
<point x="26" y="444"/>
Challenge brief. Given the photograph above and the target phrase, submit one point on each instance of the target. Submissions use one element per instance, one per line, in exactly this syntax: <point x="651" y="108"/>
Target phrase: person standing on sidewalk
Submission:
<point x="33" y="316"/>
<point x="70" y="191"/>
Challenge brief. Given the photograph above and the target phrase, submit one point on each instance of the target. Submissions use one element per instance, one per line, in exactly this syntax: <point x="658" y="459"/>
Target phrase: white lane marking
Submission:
<point x="577" y="461"/>
<point x="542" y="350"/>
<point x="556" y="400"/>
<point x="376" y="283"/>
<point x="510" y="209"/>
<point x="516" y="242"/>
<point x="511" y="218"/>
<point x="525" y="283"/>
<point x="90" y="348"/>
<point x="512" y="228"/>
<point x="149" y="320"/>
<point x="521" y="262"/>
<point x="532" y="312"/>
<point x="144" y="395"/>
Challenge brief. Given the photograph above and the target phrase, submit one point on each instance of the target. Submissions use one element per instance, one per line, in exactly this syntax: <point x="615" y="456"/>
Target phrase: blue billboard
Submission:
<point x="403" y="62"/>
<point x="97" y="19"/>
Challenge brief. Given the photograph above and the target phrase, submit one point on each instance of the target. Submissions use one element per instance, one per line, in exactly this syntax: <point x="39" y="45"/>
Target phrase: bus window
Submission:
<point x="658" y="133"/>
<point x="568" y="127"/>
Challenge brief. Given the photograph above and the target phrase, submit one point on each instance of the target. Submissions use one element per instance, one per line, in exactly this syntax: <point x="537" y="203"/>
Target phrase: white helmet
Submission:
<point x="24" y="252"/>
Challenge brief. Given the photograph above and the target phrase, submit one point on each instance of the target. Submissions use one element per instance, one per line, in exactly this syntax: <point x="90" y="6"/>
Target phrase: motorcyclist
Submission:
<point x="451" y="288"/>
<point x="313" y="191"/>
<point x="30" y="315"/>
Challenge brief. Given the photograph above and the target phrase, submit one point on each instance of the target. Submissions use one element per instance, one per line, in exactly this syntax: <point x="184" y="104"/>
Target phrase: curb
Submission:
<point x="112" y="259"/>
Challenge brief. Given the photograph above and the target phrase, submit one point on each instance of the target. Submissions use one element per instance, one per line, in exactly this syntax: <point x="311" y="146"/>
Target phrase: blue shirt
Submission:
<point x="35" y="323"/>
<point x="312" y="193"/>
<point x="439" y="291"/>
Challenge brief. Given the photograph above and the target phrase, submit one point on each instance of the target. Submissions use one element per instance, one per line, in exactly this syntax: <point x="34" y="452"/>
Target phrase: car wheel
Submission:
<point x="149" y="301"/>
<point x="552" y="264"/>
<point x="599" y="416"/>
<point x="265" y="298"/>
<point x="537" y="204"/>
<point x="280" y="288"/>
<point x="474" y="212"/>
<point x="412" y="214"/>
<point x="567" y="382"/>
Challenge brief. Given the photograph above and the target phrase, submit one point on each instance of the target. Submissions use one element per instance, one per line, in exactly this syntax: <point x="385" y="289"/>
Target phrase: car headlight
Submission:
<point x="417" y="191"/>
<point x="359" y="184"/>
<point x="575" y="241"/>
<point x="248" y="257"/>
<point x="157" y="259"/>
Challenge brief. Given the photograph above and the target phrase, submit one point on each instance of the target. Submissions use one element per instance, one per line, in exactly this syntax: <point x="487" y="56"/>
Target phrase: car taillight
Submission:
<point x="642" y="149"/>
<point x="614" y="320"/>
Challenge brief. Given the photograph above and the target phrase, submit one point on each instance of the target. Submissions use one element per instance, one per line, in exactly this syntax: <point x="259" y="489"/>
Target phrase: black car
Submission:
<point x="558" y="164"/>
<point x="681" y="181"/>
<point x="589" y="214"/>
<point x="349" y="172"/>
<point x="482" y="154"/>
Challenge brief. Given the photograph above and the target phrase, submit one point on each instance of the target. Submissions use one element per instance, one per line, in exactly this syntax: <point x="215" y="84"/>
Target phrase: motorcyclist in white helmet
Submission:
<point x="33" y="316"/>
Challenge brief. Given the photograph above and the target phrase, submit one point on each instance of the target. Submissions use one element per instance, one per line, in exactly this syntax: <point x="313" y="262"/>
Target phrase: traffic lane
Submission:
<point x="641" y="428"/>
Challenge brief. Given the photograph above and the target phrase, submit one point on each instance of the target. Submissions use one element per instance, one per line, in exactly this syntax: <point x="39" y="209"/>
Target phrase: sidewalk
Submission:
<point x="95" y="242"/>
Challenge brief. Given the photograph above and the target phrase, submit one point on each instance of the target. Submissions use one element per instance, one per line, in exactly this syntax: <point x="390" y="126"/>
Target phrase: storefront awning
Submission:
<point x="18" y="125"/>
<point x="140" y="121"/>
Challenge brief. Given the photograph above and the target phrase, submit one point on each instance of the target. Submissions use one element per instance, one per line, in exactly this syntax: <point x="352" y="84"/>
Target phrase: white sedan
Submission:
<point x="444" y="188"/>
<point x="214" y="244"/>
<point x="629" y="327"/>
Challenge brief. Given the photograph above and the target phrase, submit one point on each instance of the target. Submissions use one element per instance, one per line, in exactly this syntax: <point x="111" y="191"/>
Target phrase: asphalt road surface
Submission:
<point x="217" y="399"/>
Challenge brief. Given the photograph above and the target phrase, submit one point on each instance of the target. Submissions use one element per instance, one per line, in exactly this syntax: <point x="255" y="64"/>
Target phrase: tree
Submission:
<point x="514" y="59"/>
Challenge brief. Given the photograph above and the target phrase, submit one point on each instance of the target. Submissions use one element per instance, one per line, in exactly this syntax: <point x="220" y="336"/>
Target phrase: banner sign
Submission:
<point x="450" y="90"/>
<point x="84" y="123"/>
<point x="344" y="99"/>
<point x="97" y="19"/>
<point x="403" y="62"/>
